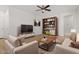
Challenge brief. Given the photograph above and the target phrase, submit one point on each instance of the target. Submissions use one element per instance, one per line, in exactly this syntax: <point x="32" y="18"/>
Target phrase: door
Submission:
<point x="68" y="23"/>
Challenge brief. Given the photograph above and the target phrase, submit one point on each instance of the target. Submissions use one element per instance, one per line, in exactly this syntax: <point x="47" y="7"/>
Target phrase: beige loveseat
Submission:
<point x="13" y="47"/>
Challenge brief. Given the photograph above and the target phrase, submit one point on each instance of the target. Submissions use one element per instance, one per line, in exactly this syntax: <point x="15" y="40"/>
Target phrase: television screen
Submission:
<point x="26" y="28"/>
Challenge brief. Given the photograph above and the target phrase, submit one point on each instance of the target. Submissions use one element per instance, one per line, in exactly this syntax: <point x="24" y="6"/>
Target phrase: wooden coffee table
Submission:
<point x="46" y="44"/>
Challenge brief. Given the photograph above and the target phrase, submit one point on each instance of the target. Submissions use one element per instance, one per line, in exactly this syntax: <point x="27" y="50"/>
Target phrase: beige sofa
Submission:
<point x="28" y="48"/>
<point x="65" y="47"/>
<point x="13" y="45"/>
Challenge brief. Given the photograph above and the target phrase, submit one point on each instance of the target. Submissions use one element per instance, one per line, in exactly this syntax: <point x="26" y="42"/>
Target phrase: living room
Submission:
<point x="13" y="16"/>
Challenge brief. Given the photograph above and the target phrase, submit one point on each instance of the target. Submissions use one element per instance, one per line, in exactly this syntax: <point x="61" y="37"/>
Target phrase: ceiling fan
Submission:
<point x="43" y="8"/>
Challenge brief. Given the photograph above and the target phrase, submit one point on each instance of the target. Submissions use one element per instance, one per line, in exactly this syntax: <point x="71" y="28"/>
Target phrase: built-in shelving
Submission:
<point x="50" y="26"/>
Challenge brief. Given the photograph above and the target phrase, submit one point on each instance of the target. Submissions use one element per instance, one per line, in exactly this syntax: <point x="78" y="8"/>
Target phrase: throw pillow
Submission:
<point x="73" y="36"/>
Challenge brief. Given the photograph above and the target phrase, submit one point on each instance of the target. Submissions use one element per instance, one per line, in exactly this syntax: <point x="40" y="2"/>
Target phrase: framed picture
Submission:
<point x="36" y="23"/>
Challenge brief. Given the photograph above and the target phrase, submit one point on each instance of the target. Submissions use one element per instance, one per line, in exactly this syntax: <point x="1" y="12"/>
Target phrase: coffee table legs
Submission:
<point x="45" y="46"/>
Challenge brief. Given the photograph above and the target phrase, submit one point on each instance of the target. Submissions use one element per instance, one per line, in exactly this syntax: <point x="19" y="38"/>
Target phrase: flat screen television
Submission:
<point x="26" y="28"/>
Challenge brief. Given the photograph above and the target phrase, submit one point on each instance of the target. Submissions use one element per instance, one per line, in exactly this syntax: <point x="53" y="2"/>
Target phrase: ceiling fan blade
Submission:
<point x="39" y="6"/>
<point x="47" y="6"/>
<point x="48" y="9"/>
<point x="38" y="10"/>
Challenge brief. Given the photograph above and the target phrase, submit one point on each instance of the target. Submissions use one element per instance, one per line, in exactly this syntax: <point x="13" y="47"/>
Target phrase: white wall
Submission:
<point x="60" y="17"/>
<point x="18" y="17"/>
<point x="73" y="20"/>
<point x="4" y="21"/>
<point x="77" y="21"/>
<point x="38" y="29"/>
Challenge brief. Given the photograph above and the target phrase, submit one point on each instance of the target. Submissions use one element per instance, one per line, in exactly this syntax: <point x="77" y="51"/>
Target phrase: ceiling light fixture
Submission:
<point x="43" y="8"/>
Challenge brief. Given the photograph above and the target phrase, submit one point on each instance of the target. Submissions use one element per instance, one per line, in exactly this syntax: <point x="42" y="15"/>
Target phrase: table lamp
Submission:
<point x="73" y="35"/>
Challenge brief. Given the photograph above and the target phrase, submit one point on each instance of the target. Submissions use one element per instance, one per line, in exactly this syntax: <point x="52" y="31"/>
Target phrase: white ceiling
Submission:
<point x="54" y="8"/>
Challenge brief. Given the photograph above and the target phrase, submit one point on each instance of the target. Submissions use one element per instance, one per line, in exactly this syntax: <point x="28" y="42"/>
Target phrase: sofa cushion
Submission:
<point x="67" y="42"/>
<point x="14" y="41"/>
<point x="59" y="49"/>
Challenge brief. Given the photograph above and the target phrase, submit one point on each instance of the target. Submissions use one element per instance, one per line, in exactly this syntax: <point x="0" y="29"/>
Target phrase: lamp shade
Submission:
<point x="73" y="30"/>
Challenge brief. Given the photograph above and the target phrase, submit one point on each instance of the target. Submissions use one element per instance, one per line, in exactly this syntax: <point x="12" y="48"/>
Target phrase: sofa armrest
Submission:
<point x="29" y="48"/>
<point x="60" y="49"/>
<point x="9" y="47"/>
